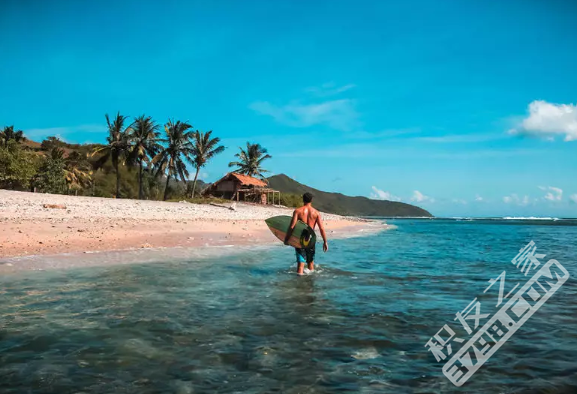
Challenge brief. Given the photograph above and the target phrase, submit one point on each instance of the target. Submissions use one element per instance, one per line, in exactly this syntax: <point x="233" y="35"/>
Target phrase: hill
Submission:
<point x="346" y="205"/>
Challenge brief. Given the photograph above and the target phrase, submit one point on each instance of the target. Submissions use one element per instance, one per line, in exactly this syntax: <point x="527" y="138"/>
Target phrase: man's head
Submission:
<point x="307" y="198"/>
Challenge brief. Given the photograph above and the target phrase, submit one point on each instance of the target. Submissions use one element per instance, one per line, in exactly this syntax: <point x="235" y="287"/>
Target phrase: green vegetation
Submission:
<point x="144" y="135"/>
<point x="134" y="163"/>
<point x="345" y="205"/>
<point x="204" y="149"/>
<point x="117" y="149"/>
<point x="171" y="160"/>
<point x="17" y="166"/>
<point x="51" y="177"/>
<point x="8" y="134"/>
<point x="291" y="200"/>
<point x="250" y="160"/>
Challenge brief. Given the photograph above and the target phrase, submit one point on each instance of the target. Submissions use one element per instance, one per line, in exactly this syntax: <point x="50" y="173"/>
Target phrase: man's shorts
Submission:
<point x="305" y="255"/>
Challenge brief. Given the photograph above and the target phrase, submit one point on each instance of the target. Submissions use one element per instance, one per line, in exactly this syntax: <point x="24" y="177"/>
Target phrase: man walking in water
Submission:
<point x="312" y="217"/>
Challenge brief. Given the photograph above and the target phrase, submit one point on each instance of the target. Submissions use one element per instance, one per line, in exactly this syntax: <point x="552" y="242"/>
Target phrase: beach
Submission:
<point x="49" y="224"/>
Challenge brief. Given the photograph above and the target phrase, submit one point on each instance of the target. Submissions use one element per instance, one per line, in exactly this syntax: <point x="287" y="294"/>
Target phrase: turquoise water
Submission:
<point x="247" y="324"/>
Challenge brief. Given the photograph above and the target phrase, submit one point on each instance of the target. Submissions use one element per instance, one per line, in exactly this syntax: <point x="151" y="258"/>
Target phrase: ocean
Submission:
<point x="245" y="323"/>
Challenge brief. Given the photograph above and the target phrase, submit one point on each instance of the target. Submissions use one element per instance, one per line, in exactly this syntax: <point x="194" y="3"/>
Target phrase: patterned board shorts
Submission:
<point x="305" y="255"/>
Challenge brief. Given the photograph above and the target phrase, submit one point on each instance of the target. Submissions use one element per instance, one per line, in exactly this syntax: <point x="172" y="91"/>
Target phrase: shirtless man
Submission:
<point x="312" y="217"/>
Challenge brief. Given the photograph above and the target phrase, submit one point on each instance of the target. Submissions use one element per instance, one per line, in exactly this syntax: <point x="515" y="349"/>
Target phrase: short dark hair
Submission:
<point x="307" y="197"/>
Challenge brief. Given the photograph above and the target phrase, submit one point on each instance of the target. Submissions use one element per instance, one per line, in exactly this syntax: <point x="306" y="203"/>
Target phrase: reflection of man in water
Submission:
<point x="312" y="217"/>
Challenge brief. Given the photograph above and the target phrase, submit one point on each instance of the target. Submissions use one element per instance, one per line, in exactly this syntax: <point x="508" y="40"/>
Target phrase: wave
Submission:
<point x="528" y="218"/>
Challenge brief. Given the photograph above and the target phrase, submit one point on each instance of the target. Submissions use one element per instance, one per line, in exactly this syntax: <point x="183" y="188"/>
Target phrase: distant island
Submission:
<point x="340" y="204"/>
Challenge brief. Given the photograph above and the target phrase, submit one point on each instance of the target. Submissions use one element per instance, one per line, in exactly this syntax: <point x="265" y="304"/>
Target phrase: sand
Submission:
<point x="48" y="224"/>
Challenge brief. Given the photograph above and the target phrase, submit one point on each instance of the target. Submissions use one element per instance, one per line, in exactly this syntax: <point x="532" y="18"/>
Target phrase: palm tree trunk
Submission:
<point x="140" y="191"/>
<point x="194" y="183"/>
<point x="166" y="187"/>
<point x="117" y="182"/>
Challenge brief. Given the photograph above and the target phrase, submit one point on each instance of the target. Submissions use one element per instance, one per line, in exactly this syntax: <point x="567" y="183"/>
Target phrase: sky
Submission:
<point x="462" y="108"/>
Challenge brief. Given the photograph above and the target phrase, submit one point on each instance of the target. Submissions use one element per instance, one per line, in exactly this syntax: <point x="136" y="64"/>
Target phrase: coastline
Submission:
<point x="92" y="224"/>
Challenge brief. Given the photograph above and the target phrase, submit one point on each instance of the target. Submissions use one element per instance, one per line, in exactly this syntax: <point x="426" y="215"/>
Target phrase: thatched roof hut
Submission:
<point x="239" y="187"/>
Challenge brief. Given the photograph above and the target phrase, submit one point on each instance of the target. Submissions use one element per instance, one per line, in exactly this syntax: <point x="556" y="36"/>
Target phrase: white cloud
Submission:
<point x="573" y="197"/>
<point x="378" y="194"/>
<point x="65" y="131"/>
<point x="479" y="198"/>
<point x="514" y="199"/>
<point x="329" y="89"/>
<point x="464" y="138"/>
<point x="338" y="114"/>
<point x="549" y="120"/>
<point x="459" y="201"/>
<point x="554" y="194"/>
<point x="420" y="197"/>
<point x="86" y="133"/>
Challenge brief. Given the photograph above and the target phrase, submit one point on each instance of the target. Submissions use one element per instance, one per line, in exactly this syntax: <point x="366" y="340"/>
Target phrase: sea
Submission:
<point x="244" y="322"/>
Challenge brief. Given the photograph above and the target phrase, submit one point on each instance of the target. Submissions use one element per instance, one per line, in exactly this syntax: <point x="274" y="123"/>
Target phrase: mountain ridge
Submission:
<point x="341" y="204"/>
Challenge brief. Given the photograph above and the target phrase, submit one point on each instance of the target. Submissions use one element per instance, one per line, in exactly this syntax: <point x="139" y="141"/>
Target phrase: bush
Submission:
<point x="51" y="177"/>
<point x="291" y="200"/>
<point x="17" y="166"/>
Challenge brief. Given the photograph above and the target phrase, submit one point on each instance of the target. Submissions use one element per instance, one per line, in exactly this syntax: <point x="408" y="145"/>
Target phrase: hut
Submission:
<point x="239" y="187"/>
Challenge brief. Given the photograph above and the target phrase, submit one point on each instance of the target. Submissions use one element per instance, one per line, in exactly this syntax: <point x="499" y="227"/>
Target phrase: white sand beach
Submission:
<point x="48" y="224"/>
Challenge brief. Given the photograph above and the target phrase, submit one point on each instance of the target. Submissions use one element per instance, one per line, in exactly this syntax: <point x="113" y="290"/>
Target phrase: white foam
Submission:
<point x="528" y="218"/>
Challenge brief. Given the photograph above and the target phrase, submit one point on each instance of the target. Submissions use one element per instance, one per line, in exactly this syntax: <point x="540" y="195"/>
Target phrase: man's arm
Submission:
<point x="291" y="227"/>
<point x="323" y="233"/>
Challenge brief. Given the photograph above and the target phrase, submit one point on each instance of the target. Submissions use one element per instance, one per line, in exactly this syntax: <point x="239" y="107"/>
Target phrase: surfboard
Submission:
<point x="303" y="236"/>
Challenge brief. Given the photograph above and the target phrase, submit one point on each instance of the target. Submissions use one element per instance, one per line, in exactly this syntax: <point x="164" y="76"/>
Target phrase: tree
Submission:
<point x="179" y="148"/>
<point x="8" y="134"/>
<point x="17" y="166"/>
<point x="250" y="160"/>
<point x="204" y="149"/>
<point x="143" y="138"/>
<point x="77" y="171"/>
<point x="51" y="177"/>
<point x="50" y="143"/>
<point x="118" y="146"/>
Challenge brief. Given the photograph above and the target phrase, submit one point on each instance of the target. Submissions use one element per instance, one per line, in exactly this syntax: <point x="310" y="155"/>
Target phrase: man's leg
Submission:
<point x="310" y="254"/>
<point x="300" y="261"/>
<point x="300" y="268"/>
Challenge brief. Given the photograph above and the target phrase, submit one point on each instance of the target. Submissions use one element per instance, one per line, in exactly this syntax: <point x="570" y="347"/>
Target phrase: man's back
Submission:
<point x="308" y="214"/>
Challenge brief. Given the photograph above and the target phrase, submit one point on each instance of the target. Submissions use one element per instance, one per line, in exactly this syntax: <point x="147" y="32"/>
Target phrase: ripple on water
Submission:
<point x="246" y="323"/>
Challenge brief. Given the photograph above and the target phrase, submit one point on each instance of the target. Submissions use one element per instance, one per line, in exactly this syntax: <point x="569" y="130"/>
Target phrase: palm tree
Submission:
<point x="143" y="137"/>
<point x="178" y="148"/>
<point x="204" y="149"/>
<point x="117" y="148"/>
<point x="251" y="160"/>
<point x="77" y="171"/>
<point x="8" y="134"/>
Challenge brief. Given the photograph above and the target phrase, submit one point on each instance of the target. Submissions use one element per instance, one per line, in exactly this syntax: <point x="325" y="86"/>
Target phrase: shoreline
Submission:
<point x="90" y="224"/>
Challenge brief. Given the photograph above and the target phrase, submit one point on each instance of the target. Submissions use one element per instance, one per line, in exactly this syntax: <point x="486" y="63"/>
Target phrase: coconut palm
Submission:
<point x="179" y="148"/>
<point x="118" y="146"/>
<point x="77" y="171"/>
<point x="8" y="134"/>
<point x="250" y="160"/>
<point x="144" y="146"/>
<point x="204" y="148"/>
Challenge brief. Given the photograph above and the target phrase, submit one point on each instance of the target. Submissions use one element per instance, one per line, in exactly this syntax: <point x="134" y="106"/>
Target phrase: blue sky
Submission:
<point x="463" y="108"/>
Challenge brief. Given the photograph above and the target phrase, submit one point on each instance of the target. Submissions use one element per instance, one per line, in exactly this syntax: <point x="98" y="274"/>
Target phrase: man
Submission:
<point x="312" y="217"/>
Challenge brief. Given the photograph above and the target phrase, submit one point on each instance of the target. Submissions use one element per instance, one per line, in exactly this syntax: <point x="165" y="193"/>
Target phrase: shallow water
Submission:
<point x="247" y="324"/>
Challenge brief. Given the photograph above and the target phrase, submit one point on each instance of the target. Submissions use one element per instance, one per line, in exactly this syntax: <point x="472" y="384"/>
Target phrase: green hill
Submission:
<point x="346" y="205"/>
